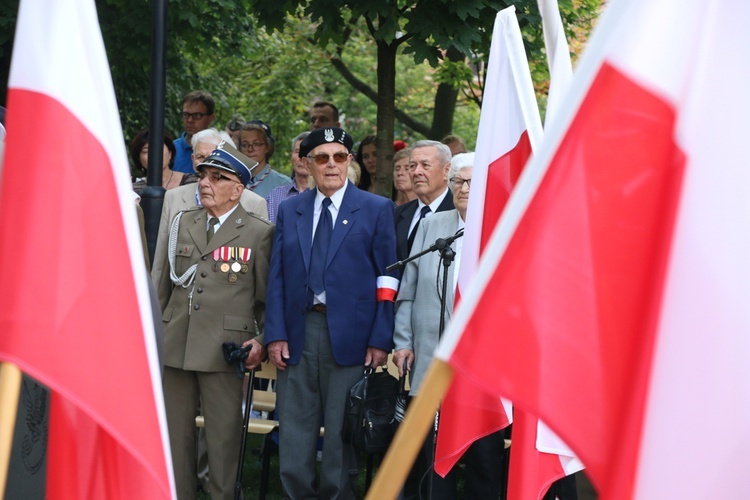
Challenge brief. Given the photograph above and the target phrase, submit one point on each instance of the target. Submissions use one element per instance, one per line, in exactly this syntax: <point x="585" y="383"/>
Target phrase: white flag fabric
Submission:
<point x="76" y="312"/>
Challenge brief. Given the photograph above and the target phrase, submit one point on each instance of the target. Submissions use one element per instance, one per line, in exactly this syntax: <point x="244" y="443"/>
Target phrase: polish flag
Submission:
<point x="538" y="457"/>
<point x="76" y="311"/>
<point x="617" y="283"/>
<point x="509" y="128"/>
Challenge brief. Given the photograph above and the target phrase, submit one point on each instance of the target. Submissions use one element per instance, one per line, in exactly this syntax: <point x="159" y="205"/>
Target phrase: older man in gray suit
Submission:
<point x="416" y="336"/>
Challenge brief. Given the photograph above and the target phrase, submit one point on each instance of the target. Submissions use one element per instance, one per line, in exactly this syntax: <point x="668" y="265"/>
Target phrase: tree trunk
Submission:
<point x="386" y="117"/>
<point x="445" y="102"/>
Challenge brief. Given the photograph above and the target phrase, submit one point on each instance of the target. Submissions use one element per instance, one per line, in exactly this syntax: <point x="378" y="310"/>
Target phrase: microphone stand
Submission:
<point x="447" y="256"/>
<point x="439" y="245"/>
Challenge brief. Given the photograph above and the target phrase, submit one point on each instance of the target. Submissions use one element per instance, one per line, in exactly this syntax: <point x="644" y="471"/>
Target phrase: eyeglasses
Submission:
<point x="193" y="116"/>
<point x="252" y="145"/>
<point x="214" y="176"/>
<point x="322" y="158"/>
<point x="457" y="183"/>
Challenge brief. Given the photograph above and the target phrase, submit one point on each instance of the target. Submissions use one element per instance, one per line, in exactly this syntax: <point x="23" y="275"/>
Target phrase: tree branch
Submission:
<point x="372" y="94"/>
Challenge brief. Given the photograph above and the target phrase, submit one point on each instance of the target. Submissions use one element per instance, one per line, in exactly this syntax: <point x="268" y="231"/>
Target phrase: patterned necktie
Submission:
<point x="422" y="213"/>
<point x="210" y="232"/>
<point x="320" y="245"/>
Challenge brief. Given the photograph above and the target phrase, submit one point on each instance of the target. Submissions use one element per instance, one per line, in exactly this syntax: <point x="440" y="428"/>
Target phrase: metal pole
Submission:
<point x="152" y="196"/>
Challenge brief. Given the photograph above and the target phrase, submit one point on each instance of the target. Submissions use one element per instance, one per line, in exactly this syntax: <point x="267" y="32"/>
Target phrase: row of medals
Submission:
<point x="235" y="266"/>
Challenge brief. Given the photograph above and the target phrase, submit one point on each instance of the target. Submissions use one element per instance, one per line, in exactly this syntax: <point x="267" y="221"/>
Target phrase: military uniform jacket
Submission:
<point x="222" y="308"/>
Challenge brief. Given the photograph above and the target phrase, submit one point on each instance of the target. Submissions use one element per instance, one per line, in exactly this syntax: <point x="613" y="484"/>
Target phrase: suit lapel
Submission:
<point x="402" y="227"/>
<point x="197" y="230"/>
<point x="305" y="211"/>
<point x="447" y="203"/>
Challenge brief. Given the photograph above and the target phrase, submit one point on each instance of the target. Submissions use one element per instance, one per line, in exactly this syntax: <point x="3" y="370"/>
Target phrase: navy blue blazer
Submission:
<point x="363" y="244"/>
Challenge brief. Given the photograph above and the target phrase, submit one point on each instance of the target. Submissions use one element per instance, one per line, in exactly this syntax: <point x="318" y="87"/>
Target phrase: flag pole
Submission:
<point x="10" y="390"/>
<point x="411" y="433"/>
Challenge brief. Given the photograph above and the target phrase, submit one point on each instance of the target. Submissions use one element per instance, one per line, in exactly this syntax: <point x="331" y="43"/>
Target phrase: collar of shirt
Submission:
<point x="433" y="209"/>
<point x="222" y="218"/>
<point x="336" y="199"/>
<point x="259" y="176"/>
<point x="435" y="203"/>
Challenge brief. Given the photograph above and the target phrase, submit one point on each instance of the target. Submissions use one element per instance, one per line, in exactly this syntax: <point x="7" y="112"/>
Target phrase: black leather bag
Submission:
<point x="369" y="420"/>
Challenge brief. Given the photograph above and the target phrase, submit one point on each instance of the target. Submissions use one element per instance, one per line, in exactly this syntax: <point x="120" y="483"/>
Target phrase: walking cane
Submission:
<point x="243" y="438"/>
<point x="234" y="354"/>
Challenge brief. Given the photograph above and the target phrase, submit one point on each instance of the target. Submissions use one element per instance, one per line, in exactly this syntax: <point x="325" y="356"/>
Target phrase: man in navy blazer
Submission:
<point x="320" y="332"/>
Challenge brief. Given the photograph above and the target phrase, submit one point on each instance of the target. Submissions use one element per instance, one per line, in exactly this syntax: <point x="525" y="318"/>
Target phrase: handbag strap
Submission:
<point x="368" y="371"/>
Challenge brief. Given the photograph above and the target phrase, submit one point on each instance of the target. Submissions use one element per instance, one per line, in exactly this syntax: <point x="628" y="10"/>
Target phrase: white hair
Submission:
<point x="443" y="151"/>
<point x="211" y="136"/>
<point x="461" y="160"/>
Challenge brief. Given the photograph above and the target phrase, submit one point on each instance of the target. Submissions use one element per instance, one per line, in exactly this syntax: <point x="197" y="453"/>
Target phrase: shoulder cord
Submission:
<point x="186" y="279"/>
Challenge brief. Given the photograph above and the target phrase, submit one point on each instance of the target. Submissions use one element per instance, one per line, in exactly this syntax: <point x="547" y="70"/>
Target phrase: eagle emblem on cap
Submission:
<point x="328" y="134"/>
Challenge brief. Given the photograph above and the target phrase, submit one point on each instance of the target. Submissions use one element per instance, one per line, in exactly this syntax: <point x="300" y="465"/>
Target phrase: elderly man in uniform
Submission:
<point x="188" y="196"/>
<point x="212" y="291"/>
<point x="330" y="312"/>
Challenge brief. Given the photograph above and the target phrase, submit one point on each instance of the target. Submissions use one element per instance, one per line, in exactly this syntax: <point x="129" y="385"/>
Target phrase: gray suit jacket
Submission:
<point x="181" y="198"/>
<point x="418" y="301"/>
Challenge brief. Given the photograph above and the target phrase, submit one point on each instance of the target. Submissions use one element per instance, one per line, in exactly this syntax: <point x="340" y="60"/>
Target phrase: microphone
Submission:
<point x="442" y="243"/>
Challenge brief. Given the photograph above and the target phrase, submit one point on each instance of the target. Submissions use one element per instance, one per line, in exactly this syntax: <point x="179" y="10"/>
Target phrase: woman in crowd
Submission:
<point x="139" y="153"/>
<point x="402" y="186"/>
<point x="367" y="159"/>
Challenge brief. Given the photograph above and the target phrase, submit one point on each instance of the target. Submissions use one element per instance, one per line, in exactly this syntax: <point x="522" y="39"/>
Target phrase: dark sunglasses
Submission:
<point x="322" y="158"/>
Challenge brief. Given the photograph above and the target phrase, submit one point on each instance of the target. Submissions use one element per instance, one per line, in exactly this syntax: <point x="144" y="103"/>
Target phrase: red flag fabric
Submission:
<point x="623" y="284"/>
<point x="76" y="312"/>
<point x="538" y="457"/>
<point x="508" y="127"/>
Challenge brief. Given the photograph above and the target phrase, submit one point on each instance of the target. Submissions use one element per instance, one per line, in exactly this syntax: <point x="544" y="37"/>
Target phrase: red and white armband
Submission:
<point x="387" y="288"/>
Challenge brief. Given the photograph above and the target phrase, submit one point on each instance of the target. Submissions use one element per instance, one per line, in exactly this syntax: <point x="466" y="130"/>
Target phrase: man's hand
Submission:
<point x="256" y="355"/>
<point x="376" y="357"/>
<point x="278" y="353"/>
<point x="403" y="355"/>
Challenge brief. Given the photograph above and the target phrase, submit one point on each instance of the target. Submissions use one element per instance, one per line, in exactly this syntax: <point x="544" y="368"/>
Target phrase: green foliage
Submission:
<point x="270" y="60"/>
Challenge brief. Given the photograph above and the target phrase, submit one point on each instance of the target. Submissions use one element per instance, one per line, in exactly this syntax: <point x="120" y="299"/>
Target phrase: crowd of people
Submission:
<point x="296" y="270"/>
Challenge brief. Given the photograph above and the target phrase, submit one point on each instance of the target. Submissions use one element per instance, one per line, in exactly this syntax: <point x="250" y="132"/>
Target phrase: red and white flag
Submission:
<point x="509" y="128"/>
<point x="76" y="312"/>
<point x="619" y="269"/>
<point x="538" y="457"/>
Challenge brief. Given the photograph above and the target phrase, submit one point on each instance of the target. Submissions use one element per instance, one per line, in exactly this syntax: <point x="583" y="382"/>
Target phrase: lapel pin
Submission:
<point x="238" y="221"/>
<point x="345" y="222"/>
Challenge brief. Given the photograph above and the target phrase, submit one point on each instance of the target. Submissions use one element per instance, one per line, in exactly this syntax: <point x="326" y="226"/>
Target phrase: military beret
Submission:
<point x="324" y="136"/>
